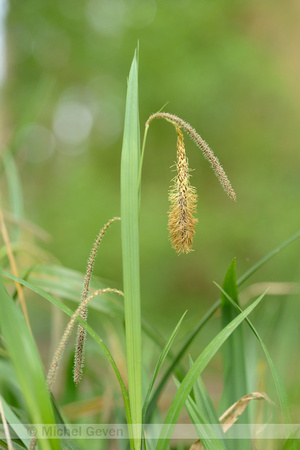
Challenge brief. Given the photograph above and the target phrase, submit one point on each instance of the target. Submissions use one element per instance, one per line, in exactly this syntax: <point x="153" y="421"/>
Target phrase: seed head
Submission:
<point x="182" y="197"/>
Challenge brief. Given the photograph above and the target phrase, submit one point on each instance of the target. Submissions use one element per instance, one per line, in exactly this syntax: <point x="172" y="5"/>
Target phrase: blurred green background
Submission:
<point x="229" y="68"/>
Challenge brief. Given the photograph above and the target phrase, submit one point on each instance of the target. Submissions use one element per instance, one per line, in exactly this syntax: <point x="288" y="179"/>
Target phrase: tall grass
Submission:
<point x="25" y="393"/>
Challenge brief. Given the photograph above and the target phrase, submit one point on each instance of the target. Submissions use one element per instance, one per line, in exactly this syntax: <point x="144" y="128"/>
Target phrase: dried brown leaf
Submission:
<point x="232" y="414"/>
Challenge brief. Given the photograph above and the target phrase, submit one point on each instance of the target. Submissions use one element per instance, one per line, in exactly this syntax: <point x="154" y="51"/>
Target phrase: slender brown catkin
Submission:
<point x="183" y="199"/>
<point x="61" y="347"/>
<point x="81" y="333"/>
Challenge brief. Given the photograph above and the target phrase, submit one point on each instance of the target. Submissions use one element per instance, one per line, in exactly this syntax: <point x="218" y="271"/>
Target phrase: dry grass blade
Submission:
<point x="87" y="408"/>
<point x="231" y="415"/>
<point x="197" y="446"/>
<point x="274" y="288"/>
<point x="14" y="268"/>
<point x="5" y="428"/>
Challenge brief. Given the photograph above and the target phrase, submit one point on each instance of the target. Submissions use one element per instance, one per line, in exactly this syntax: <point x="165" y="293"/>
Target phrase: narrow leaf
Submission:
<point x="27" y="364"/>
<point x="130" y="162"/>
<point x="234" y="365"/>
<point x="210" y="439"/>
<point x="15" y="423"/>
<point x="206" y="407"/>
<point x="177" y="358"/>
<point x="189" y="380"/>
<point x="160" y="361"/>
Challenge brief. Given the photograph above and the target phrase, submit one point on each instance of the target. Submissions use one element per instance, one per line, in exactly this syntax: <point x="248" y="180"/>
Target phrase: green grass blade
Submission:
<point x="160" y="361"/>
<point x="177" y="358"/>
<point x="291" y="443"/>
<point x="130" y="163"/>
<point x="280" y="388"/>
<point x="210" y="439"/>
<point x="3" y="444"/>
<point x="66" y="283"/>
<point x="234" y="361"/>
<point x="203" y="400"/>
<point x="263" y="261"/>
<point x="189" y="380"/>
<point x="206" y="407"/>
<point x="13" y="420"/>
<point x="89" y="329"/>
<point x="27" y="365"/>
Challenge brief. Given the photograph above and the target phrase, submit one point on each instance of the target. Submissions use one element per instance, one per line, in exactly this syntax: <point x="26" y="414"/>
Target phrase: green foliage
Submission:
<point x="27" y="364"/>
<point x="210" y="439"/>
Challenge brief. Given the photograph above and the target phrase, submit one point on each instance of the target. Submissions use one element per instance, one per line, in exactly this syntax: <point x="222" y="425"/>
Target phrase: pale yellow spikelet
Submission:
<point x="182" y="197"/>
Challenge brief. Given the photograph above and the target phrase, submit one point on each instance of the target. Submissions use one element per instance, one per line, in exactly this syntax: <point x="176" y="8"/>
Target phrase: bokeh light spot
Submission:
<point x="106" y="17"/>
<point x="140" y="13"/>
<point x="72" y="122"/>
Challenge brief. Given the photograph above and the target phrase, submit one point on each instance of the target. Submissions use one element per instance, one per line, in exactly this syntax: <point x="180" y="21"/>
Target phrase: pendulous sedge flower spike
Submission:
<point x="207" y="152"/>
<point x="182" y="195"/>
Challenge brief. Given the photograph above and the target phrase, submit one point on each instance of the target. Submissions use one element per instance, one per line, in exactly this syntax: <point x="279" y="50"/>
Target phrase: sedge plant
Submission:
<point x="19" y="348"/>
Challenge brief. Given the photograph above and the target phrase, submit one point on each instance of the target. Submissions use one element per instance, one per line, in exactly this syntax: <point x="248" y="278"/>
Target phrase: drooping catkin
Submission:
<point x="62" y="345"/>
<point x="81" y="333"/>
<point x="183" y="199"/>
<point x="182" y="195"/>
<point x="207" y="152"/>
